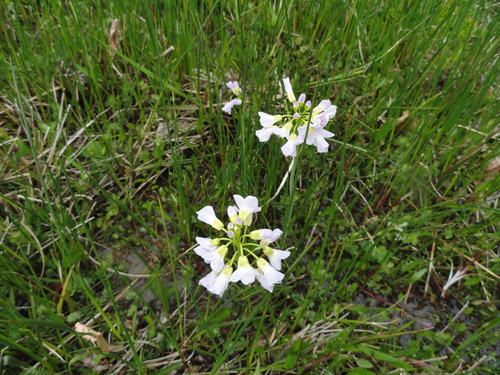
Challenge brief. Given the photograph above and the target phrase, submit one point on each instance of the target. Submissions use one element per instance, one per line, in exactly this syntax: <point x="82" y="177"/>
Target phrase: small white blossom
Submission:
<point x="276" y="256"/>
<point x="213" y="257"/>
<point x="290" y="148"/>
<point x="266" y="236"/>
<point x="289" y="90"/>
<point x="267" y="275"/>
<point x="316" y="136"/>
<point x="205" y="247"/>
<point x="247" y="206"/>
<point x="265" y="133"/>
<point x="217" y="282"/>
<point x="234" y="87"/>
<point x="229" y="105"/>
<point x="245" y="272"/>
<point x="268" y="120"/>
<point x="207" y="215"/>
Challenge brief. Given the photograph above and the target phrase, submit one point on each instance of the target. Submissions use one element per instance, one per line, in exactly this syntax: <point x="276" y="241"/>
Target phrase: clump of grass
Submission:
<point x="112" y="137"/>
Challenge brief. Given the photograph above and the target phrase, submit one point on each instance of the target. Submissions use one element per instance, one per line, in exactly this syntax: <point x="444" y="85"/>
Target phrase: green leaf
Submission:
<point x="418" y="275"/>
<point x="361" y="362"/>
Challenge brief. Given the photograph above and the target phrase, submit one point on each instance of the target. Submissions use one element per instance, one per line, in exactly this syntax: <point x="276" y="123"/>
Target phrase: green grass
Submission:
<point x="107" y="155"/>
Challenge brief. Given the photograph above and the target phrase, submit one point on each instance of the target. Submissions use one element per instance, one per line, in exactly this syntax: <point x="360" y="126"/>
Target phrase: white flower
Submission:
<point x="265" y="133"/>
<point x="325" y="106"/>
<point x="323" y="112"/>
<point x="234" y="87"/>
<point x="290" y="148"/>
<point x="229" y="105"/>
<point x="267" y="275"/>
<point x="217" y="282"/>
<point x="247" y="206"/>
<point x="275" y="256"/>
<point x="268" y="120"/>
<point x="214" y="257"/>
<point x="289" y="90"/>
<point x="207" y="215"/>
<point x="266" y="235"/>
<point x="245" y="272"/>
<point x="207" y="243"/>
<point x="316" y="136"/>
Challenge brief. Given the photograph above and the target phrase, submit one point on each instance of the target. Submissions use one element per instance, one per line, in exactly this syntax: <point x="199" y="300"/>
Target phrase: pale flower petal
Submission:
<point x="207" y="215"/>
<point x="207" y="243"/>
<point x="234" y="87"/>
<point x="276" y="256"/>
<point x="266" y="235"/>
<point x="268" y="120"/>
<point x="264" y="134"/>
<point x="290" y="148"/>
<point x="217" y="282"/>
<point x="289" y="90"/>
<point x="316" y="135"/>
<point x="229" y="105"/>
<point x="245" y="272"/>
<point x="232" y="212"/>
<point x="247" y="207"/>
<point x="268" y="276"/>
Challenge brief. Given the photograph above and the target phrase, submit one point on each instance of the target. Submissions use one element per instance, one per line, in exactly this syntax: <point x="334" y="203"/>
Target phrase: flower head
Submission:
<point x="300" y="117"/>
<point x="221" y="253"/>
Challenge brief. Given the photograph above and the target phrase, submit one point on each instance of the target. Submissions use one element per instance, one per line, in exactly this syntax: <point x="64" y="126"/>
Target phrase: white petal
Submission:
<point x="208" y="280"/>
<point x="289" y="90"/>
<point x="275" y="257"/>
<point x="264" y="134"/>
<point x="229" y="105"/>
<point x="268" y="276"/>
<point x="204" y="253"/>
<point x="221" y="282"/>
<point x="207" y="215"/>
<point x="267" y="120"/>
<point x="245" y="272"/>
<point x="321" y="144"/>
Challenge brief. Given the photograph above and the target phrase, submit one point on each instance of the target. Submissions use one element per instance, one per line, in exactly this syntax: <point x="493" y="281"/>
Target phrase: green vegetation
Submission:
<point x="112" y="137"/>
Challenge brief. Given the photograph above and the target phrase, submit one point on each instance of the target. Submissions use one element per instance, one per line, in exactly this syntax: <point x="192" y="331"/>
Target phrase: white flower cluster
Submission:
<point x="235" y="88"/>
<point x="237" y="242"/>
<point x="303" y="125"/>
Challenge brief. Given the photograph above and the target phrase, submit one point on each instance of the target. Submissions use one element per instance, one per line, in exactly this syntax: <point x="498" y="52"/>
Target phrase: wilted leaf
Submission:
<point x="94" y="337"/>
<point x="114" y="33"/>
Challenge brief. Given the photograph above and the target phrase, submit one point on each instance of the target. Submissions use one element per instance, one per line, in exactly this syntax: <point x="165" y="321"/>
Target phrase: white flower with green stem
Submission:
<point x="235" y="88"/>
<point x="240" y="246"/>
<point x="300" y="124"/>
